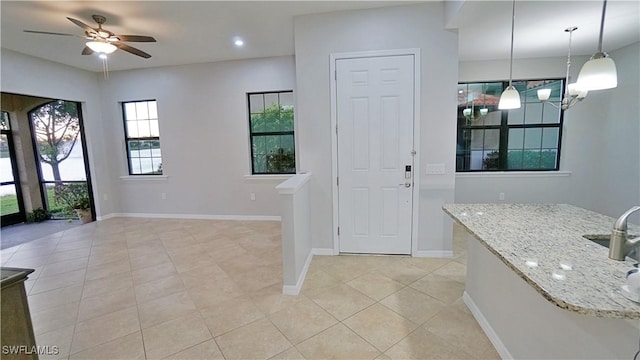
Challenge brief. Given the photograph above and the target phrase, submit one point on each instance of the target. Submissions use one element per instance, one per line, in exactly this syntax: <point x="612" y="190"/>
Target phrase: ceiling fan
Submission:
<point x="103" y="41"/>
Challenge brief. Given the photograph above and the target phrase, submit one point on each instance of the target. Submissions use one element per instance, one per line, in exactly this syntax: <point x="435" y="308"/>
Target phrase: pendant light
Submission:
<point x="510" y="98"/>
<point x="572" y="92"/>
<point x="599" y="72"/>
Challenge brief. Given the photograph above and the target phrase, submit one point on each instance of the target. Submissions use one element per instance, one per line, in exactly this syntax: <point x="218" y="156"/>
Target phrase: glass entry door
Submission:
<point x="11" y="204"/>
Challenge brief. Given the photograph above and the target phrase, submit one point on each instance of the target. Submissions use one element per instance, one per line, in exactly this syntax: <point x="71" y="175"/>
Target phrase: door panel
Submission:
<point x="375" y="114"/>
<point x="11" y="206"/>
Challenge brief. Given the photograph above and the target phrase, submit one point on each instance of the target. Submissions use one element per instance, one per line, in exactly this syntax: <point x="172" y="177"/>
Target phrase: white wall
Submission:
<point x="204" y="137"/>
<point x="26" y="75"/>
<point x="415" y="26"/>
<point x="600" y="146"/>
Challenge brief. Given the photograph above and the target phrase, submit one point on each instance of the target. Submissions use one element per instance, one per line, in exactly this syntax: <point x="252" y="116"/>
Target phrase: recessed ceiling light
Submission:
<point x="238" y="42"/>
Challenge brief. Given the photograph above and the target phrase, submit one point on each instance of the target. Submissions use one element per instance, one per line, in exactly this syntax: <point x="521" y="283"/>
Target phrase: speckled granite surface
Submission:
<point x="572" y="272"/>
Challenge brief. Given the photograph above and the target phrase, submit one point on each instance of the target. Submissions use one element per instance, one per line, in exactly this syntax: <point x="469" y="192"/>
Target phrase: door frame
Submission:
<point x="21" y="215"/>
<point x="333" y="57"/>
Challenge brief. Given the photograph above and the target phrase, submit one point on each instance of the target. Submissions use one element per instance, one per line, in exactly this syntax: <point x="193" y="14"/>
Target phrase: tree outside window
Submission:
<point x="271" y="132"/>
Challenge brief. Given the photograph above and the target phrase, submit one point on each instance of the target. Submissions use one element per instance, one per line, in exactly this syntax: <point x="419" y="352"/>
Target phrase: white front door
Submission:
<point x="375" y="115"/>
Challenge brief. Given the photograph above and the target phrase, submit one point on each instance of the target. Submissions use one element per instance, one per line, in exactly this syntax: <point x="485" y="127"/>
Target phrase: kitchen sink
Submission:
<point x="603" y="240"/>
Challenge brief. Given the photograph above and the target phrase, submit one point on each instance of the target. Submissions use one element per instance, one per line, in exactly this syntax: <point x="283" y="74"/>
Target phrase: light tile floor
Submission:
<point x="200" y="289"/>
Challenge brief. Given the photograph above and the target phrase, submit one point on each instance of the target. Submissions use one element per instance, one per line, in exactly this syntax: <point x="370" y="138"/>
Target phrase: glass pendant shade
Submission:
<point x="101" y="47"/>
<point x="510" y="99"/>
<point x="544" y="94"/>
<point x="598" y="73"/>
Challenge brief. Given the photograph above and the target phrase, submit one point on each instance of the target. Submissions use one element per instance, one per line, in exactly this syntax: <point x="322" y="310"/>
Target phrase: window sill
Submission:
<point x="512" y="174"/>
<point x="145" y="177"/>
<point x="279" y="177"/>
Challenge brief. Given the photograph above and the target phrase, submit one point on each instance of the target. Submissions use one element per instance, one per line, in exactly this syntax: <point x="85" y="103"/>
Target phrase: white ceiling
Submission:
<point x="203" y="31"/>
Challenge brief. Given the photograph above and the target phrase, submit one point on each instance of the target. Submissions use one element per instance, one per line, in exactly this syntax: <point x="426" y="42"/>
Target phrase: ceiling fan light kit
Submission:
<point x="102" y="41"/>
<point x="101" y="47"/>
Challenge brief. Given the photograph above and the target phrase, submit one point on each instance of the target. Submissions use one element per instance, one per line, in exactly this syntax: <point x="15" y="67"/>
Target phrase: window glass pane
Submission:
<point x="257" y="123"/>
<point x="516" y="139"/>
<point x="533" y="113"/>
<point x="286" y="100"/>
<point x="7" y="170"/>
<point x="142" y="110"/>
<point x="271" y="100"/>
<point x="476" y="160"/>
<point x="155" y="149"/>
<point x="135" y="165"/>
<point x="144" y="155"/>
<point x="130" y="111"/>
<point x="259" y="163"/>
<point x="154" y="129"/>
<point x="531" y="159"/>
<point x="132" y="129"/>
<point x="256" y="103"/>
<point x="516" y="116"/>
<point x="272" y="138"/>
<point x="4" y="121"/>
<point x="287" y="143"/>
<point x="145" y="149"/>
<point x="491" y="139"/>
<point x="550" y="138"/>
<point x="143" y="128"/>
<point x="477" y="140"/>
<point x="153" y="110"/>
<point x="157" y="165"/>
<point x="550" y="114"/>
<point x="134" y="148"/>
<point x="9" y="200"/>
<point x="286" y="119"/>
<point x="532" y="138"/>
<point x="548" y="159"/>
<point x="146" y="165"/>
<point x="514" y="159"/>
<point x="491" y="160"/>
<point x="493" y="117"/>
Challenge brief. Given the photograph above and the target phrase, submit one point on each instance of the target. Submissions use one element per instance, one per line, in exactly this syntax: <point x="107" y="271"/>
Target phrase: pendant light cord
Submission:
<point x="566" y="85"/>
<point x="604" y="9"/>
<point x="513" y="21"/>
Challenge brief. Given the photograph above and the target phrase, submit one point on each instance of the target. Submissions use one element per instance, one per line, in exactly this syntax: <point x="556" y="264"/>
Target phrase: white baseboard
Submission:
<point x="323" y="252"/>
<point x="295" y="289"/>
<point x="192" y="217"/>
<point x="486" y="327"/>
<point x="106" y="217"/>
<point x="433" y="253"/>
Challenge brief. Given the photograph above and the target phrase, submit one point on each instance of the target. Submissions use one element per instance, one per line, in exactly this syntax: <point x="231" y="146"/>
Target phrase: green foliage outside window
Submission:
<point x="272" y="134"/>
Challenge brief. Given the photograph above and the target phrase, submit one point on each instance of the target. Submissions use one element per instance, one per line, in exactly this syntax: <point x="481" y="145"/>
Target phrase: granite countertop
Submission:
<point x="9" y="276"/>
<point x="572" y="272"/>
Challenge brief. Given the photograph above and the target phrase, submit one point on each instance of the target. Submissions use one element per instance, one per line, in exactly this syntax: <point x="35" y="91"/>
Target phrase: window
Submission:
<point x="524" y="139"/>
<point x="271" y="132"/>
<point x="143" y="137"/>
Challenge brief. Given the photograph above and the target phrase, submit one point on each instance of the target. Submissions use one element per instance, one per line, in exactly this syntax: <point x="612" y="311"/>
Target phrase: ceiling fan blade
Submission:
<point x="131" y="49"/>
<point x="135" y="38"/>
<point x="84" y="26"/>
<point x="46" y="33"/>
<point x="87" y="51"/>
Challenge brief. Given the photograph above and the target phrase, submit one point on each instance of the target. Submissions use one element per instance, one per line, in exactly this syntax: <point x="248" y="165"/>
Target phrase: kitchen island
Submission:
<point x="540" y="289"/>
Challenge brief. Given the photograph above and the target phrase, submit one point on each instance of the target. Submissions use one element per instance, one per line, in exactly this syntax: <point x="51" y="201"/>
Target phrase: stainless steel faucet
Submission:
<point x="620" y="246"/>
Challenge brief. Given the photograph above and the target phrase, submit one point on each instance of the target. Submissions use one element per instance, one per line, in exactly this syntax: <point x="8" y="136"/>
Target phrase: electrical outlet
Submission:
<point x="163" y="196"/>
<point x="253" y="196"/>
<point x="105" y="197"/>
<point x="501" y="196"/>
